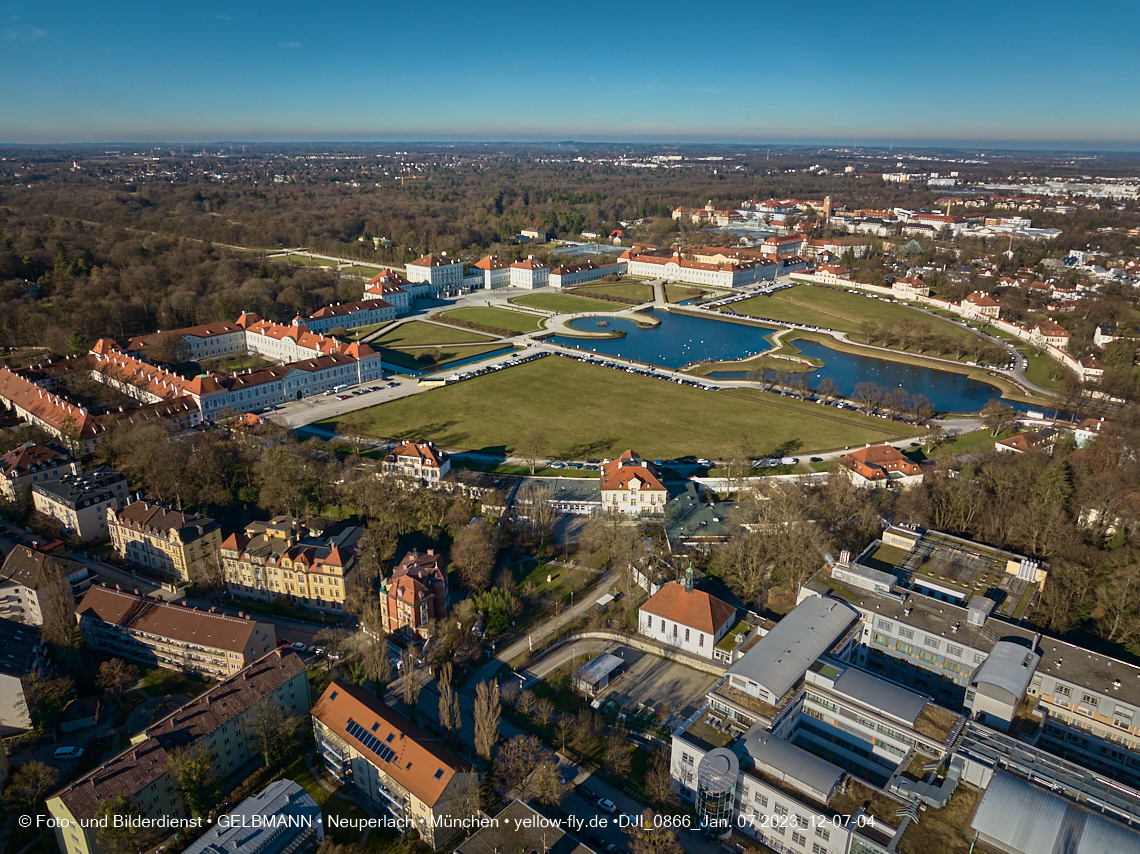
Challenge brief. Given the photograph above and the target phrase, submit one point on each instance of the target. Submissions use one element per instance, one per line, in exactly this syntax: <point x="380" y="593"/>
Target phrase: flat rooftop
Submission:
<point x="931" y="615"/>
<point x="783" y="655"/>
<point x="960" y="567"/>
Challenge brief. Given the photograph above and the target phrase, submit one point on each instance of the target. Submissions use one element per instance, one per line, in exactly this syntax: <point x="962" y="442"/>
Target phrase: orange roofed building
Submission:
<point x="633" y="486"/>
<point x="390" y="287"/>
<point x="880" y="466"/>
<point x="422" y="461"/>
<point x="415" y="594"/>
<point x="980" y="304"/>
<point x="392" y="762"/>
<point x="689" y="619"/>
<point x="279" y="560"/>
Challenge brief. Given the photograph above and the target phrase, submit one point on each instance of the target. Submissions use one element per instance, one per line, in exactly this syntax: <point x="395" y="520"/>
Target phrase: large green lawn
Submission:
<point x="502" y="318"/>
<point x="590" y="411"/>
<point x="417" y="359"/>
<point x="416" y="333"/>
<point x="842" y="311"/>
<point x="565" y="303"/>
<point x="303" y="261"/>
<point x="628" y="290"/>
<point x="680" y="293"/>
<point x="1043" y="370"/>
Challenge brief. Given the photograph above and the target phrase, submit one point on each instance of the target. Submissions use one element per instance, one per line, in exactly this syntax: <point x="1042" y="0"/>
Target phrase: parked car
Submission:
<point x="68" y="752"/>
<point x="297" y="645"/>
<point x="586" y="792"/>
<point x="606" y="805"/>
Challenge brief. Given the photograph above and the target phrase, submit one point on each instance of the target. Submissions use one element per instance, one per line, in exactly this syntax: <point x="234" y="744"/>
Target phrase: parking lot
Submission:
<point x="654" y="682"/>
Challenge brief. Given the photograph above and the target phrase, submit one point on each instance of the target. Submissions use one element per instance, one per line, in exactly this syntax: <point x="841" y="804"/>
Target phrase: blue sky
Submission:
<point x="1002" y="72"/>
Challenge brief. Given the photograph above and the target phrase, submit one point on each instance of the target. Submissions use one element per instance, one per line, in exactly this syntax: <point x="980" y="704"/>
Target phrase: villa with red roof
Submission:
<point x="1048" y="332"/>
<point x="632" y="486"/>
<point x="421" y="461"/>
<point x="879" y="467"/>
<point x="416" y="593"/>
<point x="689" y="619"/>
<point x="980" y="304"/>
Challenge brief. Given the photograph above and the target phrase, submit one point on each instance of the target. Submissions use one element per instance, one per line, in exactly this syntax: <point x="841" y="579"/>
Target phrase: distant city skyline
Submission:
<point x="1012" y="75"/>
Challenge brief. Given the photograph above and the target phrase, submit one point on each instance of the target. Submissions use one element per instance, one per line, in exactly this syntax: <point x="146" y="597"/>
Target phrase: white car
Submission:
<point x="606" y="805"/>
<point x="68" y="752"/>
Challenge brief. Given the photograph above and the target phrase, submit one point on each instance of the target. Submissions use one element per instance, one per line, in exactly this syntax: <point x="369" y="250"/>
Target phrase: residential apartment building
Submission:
<point x="421" y="461"/>
<point x="633" y="486"/>
<point x="880" y="466"/>
<point x="415" y="593"/>
<point x="280" y="819"/>
<point x="530" y="274"/>
<point x="217" y="721"/>
<point x="496" y="273"/>
<point x="394" y="763"/>
<point x="689" y="619"/>
<point x="434" y="275"/>
<point x="30" y="464"/>
<point x="174" y="637"/>
<point x="167" y="541"/>
<point x="79" y="502"/>
<point x="30" y="579"/>
<point x="279" y="559"/>
<point x="23" y="653"/>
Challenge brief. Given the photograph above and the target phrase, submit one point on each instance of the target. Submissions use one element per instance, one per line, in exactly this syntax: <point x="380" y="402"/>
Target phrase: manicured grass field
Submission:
<point x="629" y="290"/>
<point x="590" y="411"/>
<point x="364" y="331"/>
<point x="565" y="303"/>
<point x="1042" y="370"/>
<point x="447" y="353"/>
<point x="417" y="333"/>
<point x="500" y="317"/>
<point x="303" y="261"/>
<point x="238" y="362"/>
<point x="839" y="310"/>
<point x="368" y="272"/>
<point x="679" y="293"/>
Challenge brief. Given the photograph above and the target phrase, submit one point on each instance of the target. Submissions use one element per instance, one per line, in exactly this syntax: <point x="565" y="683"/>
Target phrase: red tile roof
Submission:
<point x="1052" y="330"/>
<point x="981" y="298"/>
<point x="620" y="473"/>
<point x="177" y="622"/>
<point x="425" y="452"/>
<point x="490" y="262"/>
<point x="875" y="462"/>
<point x="433" y="260"/>
<point x="26" y="458"/>
<point x="696" y="609"/>
<point x="421" y="764"/>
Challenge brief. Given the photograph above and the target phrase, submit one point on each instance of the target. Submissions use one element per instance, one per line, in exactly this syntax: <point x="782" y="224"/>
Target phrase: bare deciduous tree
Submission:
<point x="487" y="712"/>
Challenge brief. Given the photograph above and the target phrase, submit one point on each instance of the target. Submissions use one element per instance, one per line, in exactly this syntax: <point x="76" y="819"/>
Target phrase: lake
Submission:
<point x="683" y="339"/>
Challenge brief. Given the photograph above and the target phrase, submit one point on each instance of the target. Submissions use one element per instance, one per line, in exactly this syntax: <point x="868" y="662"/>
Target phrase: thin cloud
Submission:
<point x="24" y="34"/>
<point x="288" y="44"/>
